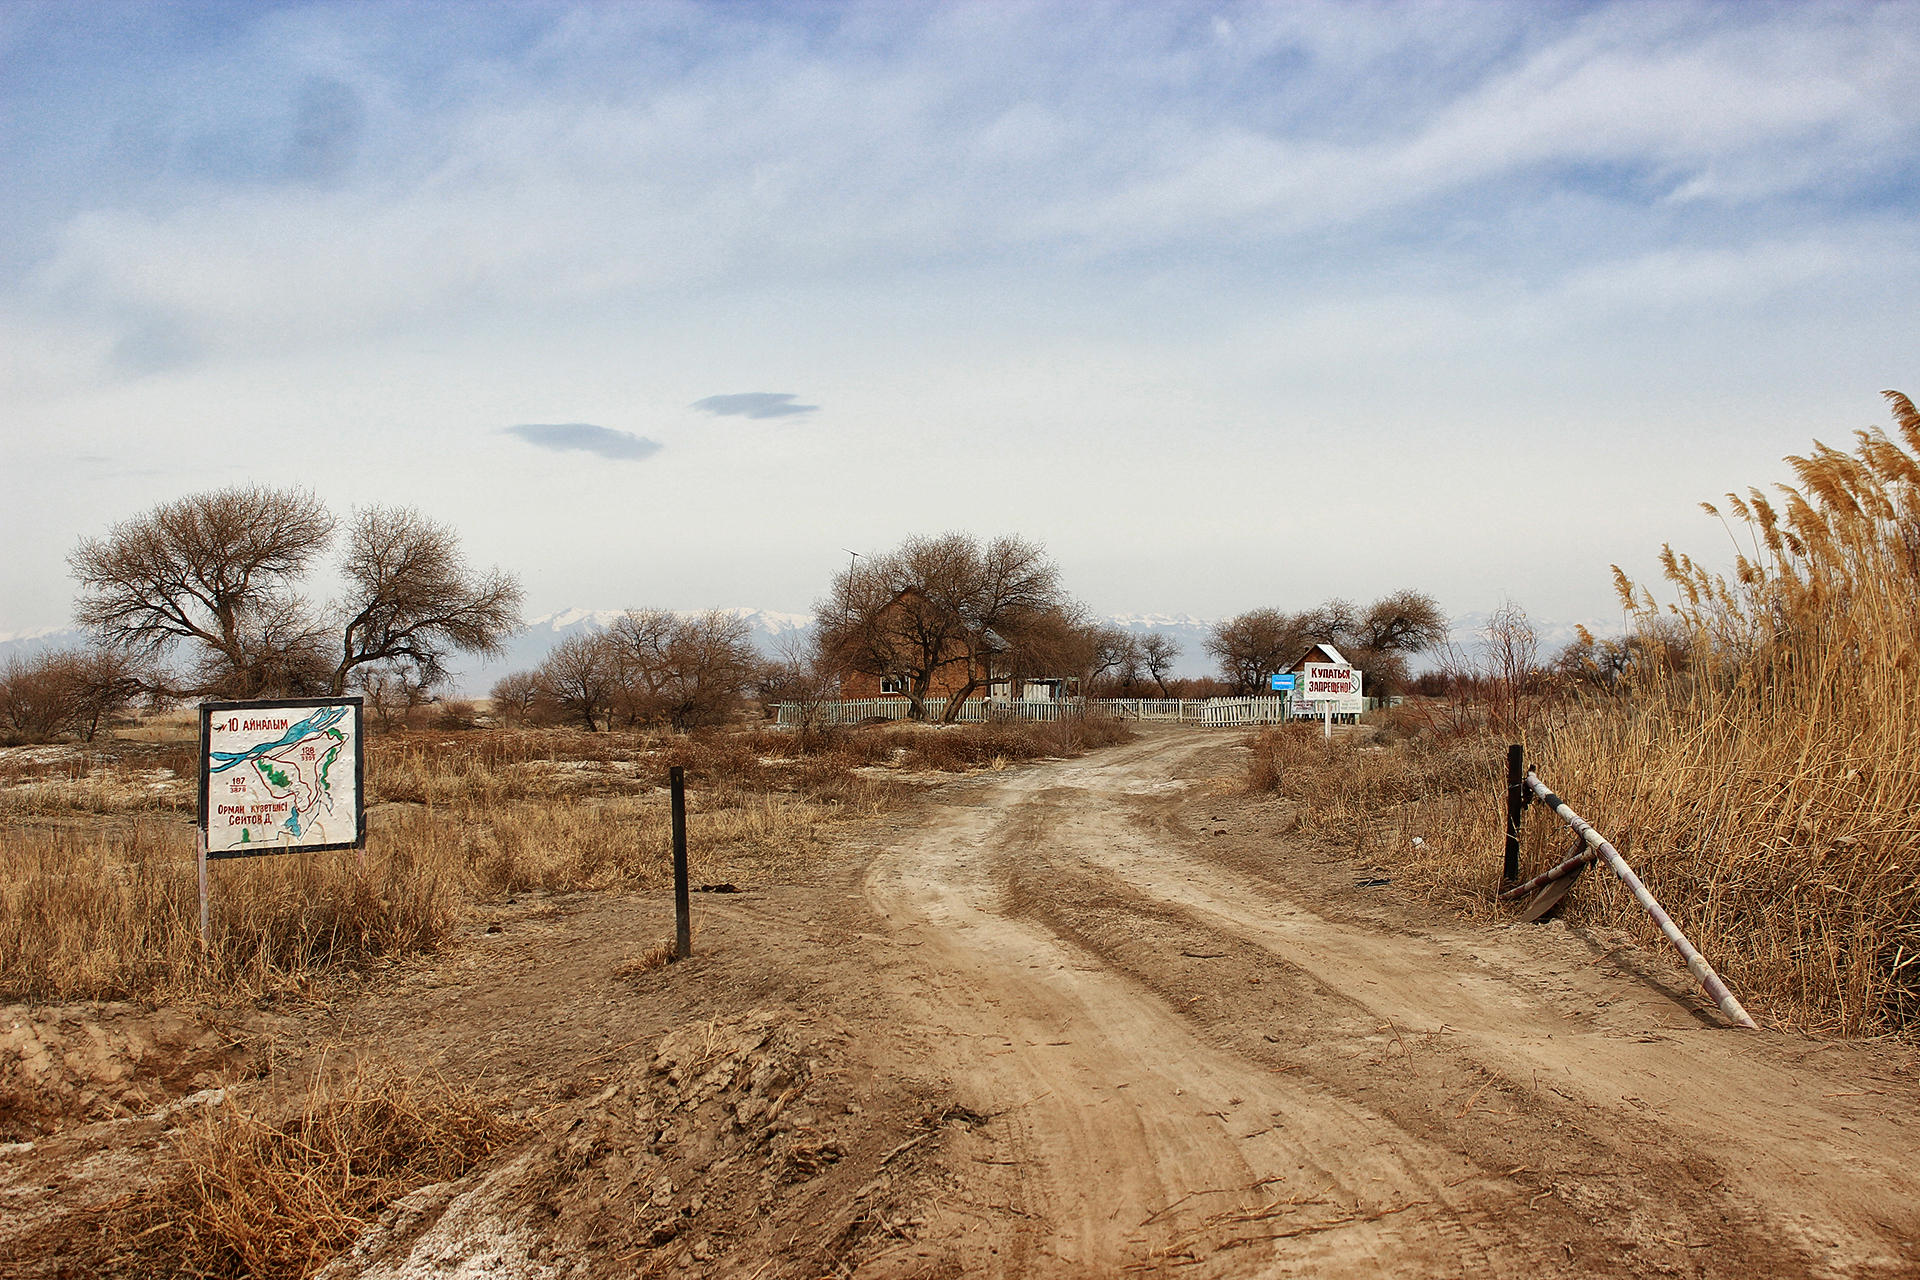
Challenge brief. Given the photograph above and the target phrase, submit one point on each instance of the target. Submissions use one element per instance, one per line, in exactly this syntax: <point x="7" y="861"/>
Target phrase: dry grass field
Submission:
<point x="98" y="896"/>
<point x="1758" y="762"/>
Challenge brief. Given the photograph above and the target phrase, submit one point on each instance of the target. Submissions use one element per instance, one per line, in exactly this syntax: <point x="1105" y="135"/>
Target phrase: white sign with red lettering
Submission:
<point x="1322" y="682"/>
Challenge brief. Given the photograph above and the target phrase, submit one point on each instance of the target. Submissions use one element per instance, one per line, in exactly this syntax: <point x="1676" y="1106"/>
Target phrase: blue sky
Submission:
<point x="1229" y="305"/>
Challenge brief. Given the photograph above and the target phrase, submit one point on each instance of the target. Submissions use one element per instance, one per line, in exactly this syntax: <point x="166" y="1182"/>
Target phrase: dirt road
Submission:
<point x="1082" y="1018"/>
<point x="1207" y="1049"/>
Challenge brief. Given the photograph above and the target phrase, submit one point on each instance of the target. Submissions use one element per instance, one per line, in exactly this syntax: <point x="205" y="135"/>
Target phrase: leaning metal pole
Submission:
<point x="1579" y="857"/>
<point x="1696" y="963"/>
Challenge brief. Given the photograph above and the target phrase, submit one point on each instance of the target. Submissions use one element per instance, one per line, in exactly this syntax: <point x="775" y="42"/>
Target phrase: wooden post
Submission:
<point x="205" y="940"/>
<point x="682" y="923"/>
<point x="1516" y="807"/>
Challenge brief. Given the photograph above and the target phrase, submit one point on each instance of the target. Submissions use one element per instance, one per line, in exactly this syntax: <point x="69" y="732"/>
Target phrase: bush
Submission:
<point x="243" y="1196"/>
<point x="63" y="691"/>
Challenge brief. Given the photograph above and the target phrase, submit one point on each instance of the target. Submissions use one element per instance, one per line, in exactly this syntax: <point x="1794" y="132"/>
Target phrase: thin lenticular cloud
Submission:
<point x="563" y="437"/>
<point x="754" y="404"/>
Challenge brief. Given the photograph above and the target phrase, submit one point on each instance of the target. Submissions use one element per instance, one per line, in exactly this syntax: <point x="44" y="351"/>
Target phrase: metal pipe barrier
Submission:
<point x="1599" y="847"/>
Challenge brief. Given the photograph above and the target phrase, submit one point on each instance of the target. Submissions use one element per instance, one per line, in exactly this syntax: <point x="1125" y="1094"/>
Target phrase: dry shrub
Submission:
<point x="241" y="1195"/>
<point x="114" y="914"/>
<point x="1758" y="762"/>
<point x="958" y="747"/>
<point x="109" y="909"/>
<point x="652" y="960"/>
<point x="1356" y="793"/>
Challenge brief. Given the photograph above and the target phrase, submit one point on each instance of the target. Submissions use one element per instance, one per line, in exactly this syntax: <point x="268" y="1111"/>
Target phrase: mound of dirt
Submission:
<point x="62" y="1065"/>
<point x="738" y="1141"/>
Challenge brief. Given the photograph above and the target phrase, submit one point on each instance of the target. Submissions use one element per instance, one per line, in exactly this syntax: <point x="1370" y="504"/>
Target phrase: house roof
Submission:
<point x="1325" y="653"/>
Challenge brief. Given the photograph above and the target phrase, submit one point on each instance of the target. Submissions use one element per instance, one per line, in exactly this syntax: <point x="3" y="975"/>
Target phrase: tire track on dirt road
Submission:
<point x="1131" y="1137"/>
<point x="1133" y="1141"/>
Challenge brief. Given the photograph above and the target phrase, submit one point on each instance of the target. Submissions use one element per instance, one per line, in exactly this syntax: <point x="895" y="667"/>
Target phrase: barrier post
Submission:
<point x="1516" y="810"/>
<point x="682" y="922"/>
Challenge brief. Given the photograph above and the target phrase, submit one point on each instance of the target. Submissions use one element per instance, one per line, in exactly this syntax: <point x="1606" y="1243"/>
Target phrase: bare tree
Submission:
<point x="1158" y="652"/>
<point x="1380" y="639"/>
<point x="1405" y="622"/>
<point x="1259" y="643"/>
<point x="515" y="696"/>
<point x="101" y="684"/>
<point x="411" y="598"/>
<point x="1129" y="668"/>
<point x="686" y="671"/>
<point x="1505" y="676"/>
<point x="582" y="675"/>
<point x="34" y="701"/>
<point x="798" y="677"/>
<point x="65" y="691"/>
<point x="1071" y="644"/>
<point x="218" y="569"/>
<point x="945" y="606"/>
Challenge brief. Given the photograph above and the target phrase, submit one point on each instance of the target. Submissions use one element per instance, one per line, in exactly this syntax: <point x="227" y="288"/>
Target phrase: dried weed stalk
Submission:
<point x="242" y="1195"/>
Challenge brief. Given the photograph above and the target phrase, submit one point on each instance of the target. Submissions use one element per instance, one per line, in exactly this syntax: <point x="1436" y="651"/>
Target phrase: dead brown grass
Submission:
<point x="98" y="891"/>
<point x="245" y="1195"/>
<point x="1759" y="765"/>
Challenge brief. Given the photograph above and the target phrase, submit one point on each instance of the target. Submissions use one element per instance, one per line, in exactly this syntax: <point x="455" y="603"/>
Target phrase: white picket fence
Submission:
<point x="1206" y="712"/>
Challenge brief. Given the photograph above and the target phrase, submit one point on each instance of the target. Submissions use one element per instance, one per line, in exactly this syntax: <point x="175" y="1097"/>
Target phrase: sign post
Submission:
<point x="200" y="846"/>
<point x="278" y="776"/>
<point x="1282" y="684"/>
<point x="1331" y="682"/>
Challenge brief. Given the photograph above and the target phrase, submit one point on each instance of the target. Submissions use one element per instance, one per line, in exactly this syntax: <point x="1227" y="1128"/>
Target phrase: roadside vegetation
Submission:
<point x="1752" y="748"/>
<point x="98" y="892"/>
<point x="241" y="1193"/>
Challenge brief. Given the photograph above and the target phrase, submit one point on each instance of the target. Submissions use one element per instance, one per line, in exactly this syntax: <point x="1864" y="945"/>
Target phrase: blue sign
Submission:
<point x="1283" y="684"/>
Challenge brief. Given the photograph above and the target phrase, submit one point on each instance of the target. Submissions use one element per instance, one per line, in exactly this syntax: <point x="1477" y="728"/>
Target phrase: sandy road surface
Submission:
<point x="1212" y="1056"/>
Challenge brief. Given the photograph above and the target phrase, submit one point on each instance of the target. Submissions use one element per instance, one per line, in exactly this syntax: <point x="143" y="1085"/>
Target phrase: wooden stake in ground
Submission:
<point x="1516" y="808"/>
<point x="682" y="923"/>
<point x="206" y="938"/>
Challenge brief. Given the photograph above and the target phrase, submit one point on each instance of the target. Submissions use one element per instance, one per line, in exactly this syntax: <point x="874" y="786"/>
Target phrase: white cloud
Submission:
<point x="770" y="157"/>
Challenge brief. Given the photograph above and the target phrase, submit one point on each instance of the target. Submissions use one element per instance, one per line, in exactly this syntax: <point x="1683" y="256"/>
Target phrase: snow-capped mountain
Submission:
<point x="22" y="644"/>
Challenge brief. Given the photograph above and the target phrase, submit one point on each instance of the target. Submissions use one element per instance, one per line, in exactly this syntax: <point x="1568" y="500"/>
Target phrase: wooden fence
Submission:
<point x="1214" y="713"/>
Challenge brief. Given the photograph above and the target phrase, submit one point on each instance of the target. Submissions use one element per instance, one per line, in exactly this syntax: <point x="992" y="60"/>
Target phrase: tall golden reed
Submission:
<point x="1761" y="762"/>
<point x="1758" y="760"/>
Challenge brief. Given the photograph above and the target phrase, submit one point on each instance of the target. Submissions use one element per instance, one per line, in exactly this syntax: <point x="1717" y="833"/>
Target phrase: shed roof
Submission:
<point x="1321" y="652"/>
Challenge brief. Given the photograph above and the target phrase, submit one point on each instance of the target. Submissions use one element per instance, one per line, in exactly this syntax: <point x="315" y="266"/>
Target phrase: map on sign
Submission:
<point x="280" y="777"/>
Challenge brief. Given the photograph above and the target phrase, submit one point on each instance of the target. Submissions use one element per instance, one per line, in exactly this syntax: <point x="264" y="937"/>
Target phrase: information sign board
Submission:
<point x="1283" y="683"/>
<point x="1331" y="682"/>
<point x="1327" y="681"/>
<point x="281" y="776"/>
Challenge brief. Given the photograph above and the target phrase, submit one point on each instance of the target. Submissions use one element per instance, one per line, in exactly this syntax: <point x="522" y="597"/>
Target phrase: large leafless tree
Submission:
<point x="411" y="598"/>
<point x="581" y="677"/>
<point x="1258" y="643"/>
<point x="683" y="670"/>
<point x="218" y="570"/>
<point x="221" y="573"/>
<point x="946" y="605"/>
<point x="1157" y="653"/>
